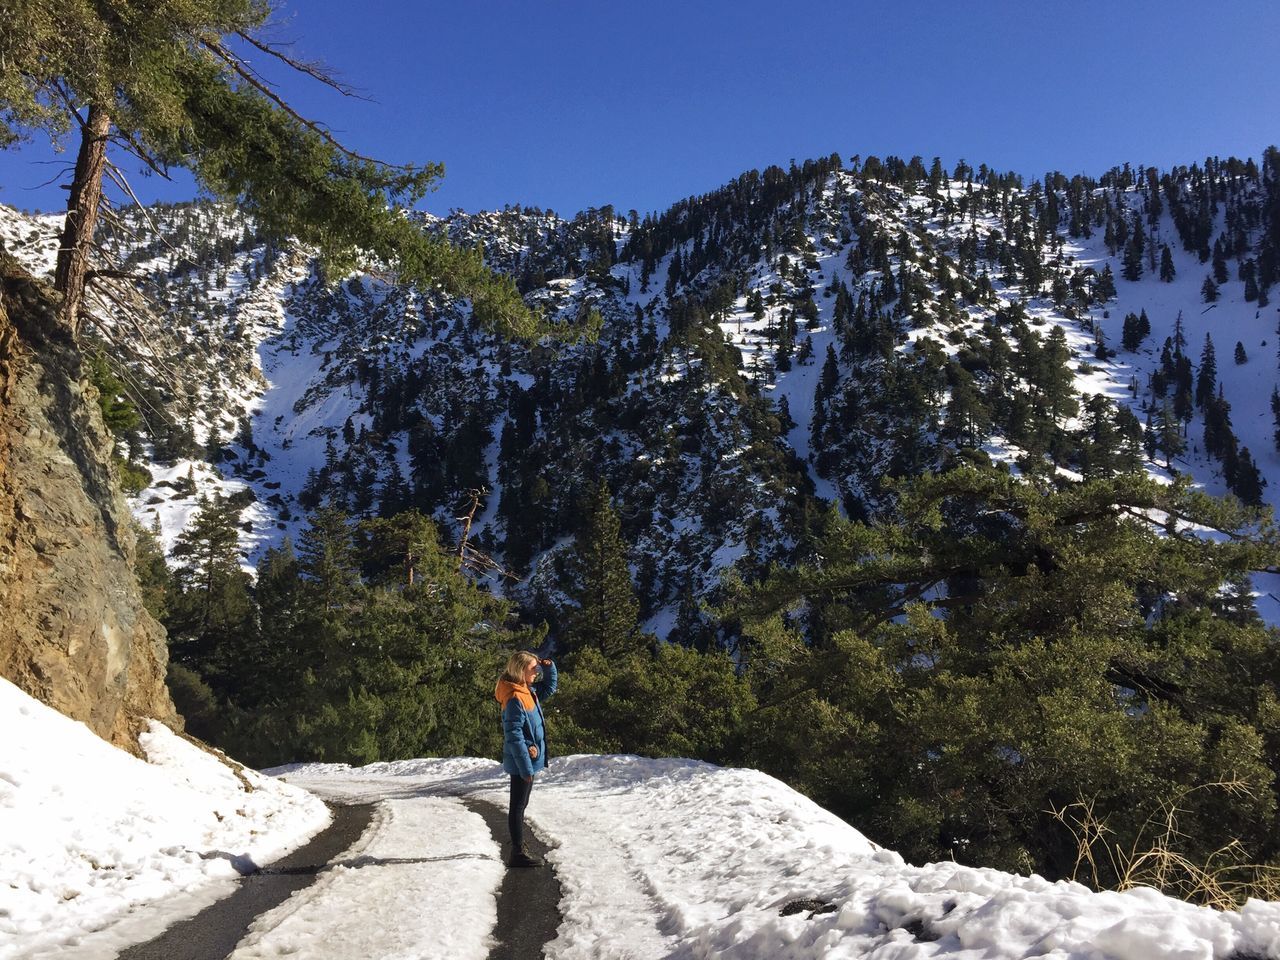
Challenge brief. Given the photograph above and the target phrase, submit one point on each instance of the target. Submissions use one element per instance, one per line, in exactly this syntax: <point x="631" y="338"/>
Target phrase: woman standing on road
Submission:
<point x="524" y="738"/>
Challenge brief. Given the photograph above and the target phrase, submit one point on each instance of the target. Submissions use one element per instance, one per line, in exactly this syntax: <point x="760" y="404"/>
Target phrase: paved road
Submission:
<point x="528" y="901"/>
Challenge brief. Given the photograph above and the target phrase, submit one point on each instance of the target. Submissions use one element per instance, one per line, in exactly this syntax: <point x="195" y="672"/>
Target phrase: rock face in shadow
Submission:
<point x="73" y="629"/>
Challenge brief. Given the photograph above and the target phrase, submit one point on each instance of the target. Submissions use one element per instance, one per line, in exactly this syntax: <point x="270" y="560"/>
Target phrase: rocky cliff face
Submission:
<point x="73" y="629"/>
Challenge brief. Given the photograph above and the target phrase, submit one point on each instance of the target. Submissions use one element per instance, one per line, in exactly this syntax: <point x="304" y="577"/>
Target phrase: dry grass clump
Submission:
<point x="1225" y="880"/>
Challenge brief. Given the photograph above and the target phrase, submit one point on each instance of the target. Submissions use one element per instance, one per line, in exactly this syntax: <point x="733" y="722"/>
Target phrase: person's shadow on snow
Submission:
<point x="242" y="863"/>
<point x="359" y="863"/>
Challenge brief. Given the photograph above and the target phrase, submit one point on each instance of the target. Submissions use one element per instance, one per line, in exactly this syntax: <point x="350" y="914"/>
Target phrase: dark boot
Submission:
<point x="521" y="859"/>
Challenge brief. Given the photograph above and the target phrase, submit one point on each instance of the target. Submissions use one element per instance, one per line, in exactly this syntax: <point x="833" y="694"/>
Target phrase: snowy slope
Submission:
<point x="1247" y="387"/>
<point x="274" y="355"/>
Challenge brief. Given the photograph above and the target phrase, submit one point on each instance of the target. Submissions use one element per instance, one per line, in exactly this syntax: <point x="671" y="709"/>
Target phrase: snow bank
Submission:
<point x="90" y="833"/>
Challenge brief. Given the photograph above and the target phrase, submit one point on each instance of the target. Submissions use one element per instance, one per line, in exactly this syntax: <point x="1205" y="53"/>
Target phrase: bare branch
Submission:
<point x="136" y="394"/>
<point x="130" y="143"/>
<point x="313" y="70"/>
<point x="69" y="103"/>
<point x="247" y="74"/>
<point x="117" y="175"/>
<point x="129" y="304"/>
<point x="93" y="275"/>
<point x="65" y="165"/>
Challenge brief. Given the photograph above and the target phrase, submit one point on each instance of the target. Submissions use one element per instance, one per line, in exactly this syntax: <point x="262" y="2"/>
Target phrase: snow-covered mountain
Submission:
<point x="789" y="340"/>
<point x="656" y="858"/>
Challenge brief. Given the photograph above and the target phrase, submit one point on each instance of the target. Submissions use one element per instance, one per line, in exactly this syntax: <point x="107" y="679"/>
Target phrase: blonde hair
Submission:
<point x="520" y="661"/>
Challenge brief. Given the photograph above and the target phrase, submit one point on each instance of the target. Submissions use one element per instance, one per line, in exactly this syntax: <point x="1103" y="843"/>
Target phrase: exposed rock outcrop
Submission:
<point x="73" y="630"/>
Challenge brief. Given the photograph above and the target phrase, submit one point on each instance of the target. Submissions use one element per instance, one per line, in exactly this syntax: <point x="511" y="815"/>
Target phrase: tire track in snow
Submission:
<point x="214" y="932"/>
<point x="529" y="899"/>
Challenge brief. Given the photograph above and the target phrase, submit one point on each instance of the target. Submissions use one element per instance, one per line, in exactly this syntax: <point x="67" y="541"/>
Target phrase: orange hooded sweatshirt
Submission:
<point x="505" y="690"/>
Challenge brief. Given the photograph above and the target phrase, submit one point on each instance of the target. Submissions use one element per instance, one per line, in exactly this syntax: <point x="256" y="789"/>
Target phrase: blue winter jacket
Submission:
<point x="522" y="723"/>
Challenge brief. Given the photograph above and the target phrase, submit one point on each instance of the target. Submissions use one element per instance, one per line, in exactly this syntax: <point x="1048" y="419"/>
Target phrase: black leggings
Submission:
<point x="515" y="813"/>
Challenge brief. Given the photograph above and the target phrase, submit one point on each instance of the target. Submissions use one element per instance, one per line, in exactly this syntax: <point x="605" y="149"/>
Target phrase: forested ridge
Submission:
<point x="849" y="488"/>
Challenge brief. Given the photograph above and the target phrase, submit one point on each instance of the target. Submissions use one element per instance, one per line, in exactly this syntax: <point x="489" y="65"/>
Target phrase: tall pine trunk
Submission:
<point x="82" y="217"/>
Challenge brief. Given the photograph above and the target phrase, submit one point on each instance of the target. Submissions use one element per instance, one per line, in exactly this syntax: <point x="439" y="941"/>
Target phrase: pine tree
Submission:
<point x="1105" y="289"/>
<point x="805" y="354"/>
<point x="152" y="571"/>
<point x="1168" y="434"/>
<point x="395" y="549"/>
<point x="394" y="672"/>
<point x="1241" y="357"/>
<point x="1167" y="271"/>
<point x="1231" y="461"/>
<point x="1218" y="435"/>
<point x="211" y="613"/>
<point x="691" y="628"/>
<point x="817" y="422"/>
<point x="785" y="420"/>
<point x="1131" y="332"/>
<point x="1207" y="377"/>
<point x="755" y="303"/>
<point x="1073" y="595"/>
<point x="1248" y="269"/>
<point x="1248" y="481"/>
<point x="1129" y="455"/>
<point x="1183" y="389"/>
<point x="606" y="615"/>
<point x="1132" y="260"/>
<point x="937" y="177"/>
<point x="1220" y="274"/>
<point x="1055" y="378"/>
<point x="1101" y="440"/>
<point x="396" y="495"/>
<point x="1100" y="348"/>
<point x="1150" y="438"/>
<point x="1275" y="416"/>
<point x="280" y="594"/>
<point x="118" y="412"/>
<point x="1209" y="290"/>
<point x="968" y="418"/>
<point x="786" y="343"/>
<point x="830" y="375"/>
<point x="327" y="558"/>
<point x="674" y="271"/>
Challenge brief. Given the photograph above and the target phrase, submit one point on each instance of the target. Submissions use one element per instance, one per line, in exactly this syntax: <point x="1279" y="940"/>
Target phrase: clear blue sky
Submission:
<point x="567" y="105"/>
